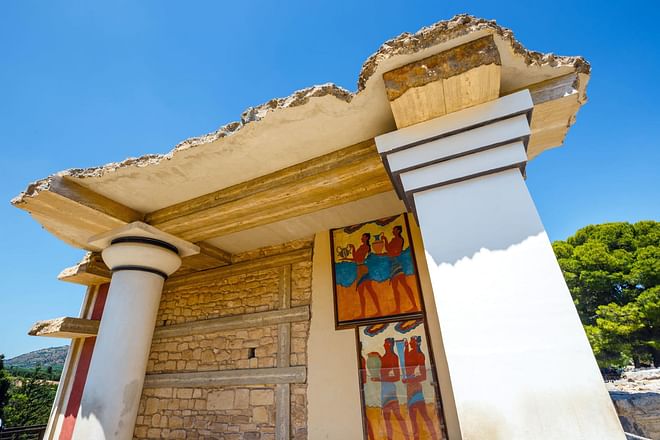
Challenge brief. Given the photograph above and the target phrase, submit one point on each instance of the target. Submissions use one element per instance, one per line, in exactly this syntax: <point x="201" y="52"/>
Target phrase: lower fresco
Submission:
<point x="399" y="392"/>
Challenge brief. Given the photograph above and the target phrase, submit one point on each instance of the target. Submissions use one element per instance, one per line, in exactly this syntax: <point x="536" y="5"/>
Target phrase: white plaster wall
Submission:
<point x="333" y="392"/>
<point x="520" y="363"/>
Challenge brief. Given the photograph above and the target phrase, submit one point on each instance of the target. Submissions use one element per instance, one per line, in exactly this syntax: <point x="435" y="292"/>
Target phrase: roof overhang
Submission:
<point x="256" y="161"/>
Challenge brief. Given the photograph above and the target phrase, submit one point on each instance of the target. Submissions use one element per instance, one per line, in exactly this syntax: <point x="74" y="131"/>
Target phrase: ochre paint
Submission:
<point x="348" y="299"/>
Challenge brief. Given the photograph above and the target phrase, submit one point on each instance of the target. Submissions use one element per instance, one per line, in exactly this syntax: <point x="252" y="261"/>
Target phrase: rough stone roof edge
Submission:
<point x="456" y="27"/>
<point x="403" y="44"/>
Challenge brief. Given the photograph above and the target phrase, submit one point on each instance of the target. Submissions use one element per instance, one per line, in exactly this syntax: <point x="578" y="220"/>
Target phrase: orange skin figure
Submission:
<point x="414" y="360"/>
<point x="394" y="248"/>
<point x="390" y="372"/>
<point x="359" y="256"/>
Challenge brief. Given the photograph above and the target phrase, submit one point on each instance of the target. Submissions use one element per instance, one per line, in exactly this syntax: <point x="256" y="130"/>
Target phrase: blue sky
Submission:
<point x="85" y="83"/>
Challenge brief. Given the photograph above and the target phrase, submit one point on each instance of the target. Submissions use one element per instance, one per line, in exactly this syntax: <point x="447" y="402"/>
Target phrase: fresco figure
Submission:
<point x="414" y="376"/>
<point x="364" y="281"/>
<point x="374" y="272"/>
<point x="390" y="373"/>
<point x="394" y="248"/>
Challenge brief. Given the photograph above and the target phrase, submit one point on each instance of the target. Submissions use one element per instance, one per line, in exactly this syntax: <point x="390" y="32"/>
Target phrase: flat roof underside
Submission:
<point x="309" y="123"/>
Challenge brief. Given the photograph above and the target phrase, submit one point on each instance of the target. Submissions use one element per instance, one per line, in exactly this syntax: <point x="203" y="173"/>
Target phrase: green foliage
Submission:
<point x="613" y="273"/>
<point x="25" y="400"/>
<point x="50" y="373"/>
<point x="5" y="383"/>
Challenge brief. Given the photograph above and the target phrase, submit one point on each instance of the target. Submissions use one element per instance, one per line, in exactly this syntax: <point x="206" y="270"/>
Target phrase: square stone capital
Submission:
<point x="480" y="140"/>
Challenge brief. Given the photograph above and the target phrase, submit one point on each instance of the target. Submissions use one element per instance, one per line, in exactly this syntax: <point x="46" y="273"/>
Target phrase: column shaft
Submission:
<point x="519" y="361"/>
<point x="520" y="364"/>
<point x="114" y="385"/>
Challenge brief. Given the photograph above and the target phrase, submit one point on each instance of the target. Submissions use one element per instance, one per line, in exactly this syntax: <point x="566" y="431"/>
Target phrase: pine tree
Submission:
<point x="613" y="273"/>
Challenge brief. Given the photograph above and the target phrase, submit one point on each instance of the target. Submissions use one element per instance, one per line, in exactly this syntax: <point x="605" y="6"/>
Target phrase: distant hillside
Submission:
<point x="53" y="356"/>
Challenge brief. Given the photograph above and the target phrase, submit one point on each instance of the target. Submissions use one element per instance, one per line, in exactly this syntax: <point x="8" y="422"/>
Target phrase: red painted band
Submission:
<point x="78" y="386"/>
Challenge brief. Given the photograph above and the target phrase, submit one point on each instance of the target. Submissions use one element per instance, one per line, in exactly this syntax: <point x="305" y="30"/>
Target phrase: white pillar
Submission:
<point x="141" y="258"/>
<point x="520" y="364"/>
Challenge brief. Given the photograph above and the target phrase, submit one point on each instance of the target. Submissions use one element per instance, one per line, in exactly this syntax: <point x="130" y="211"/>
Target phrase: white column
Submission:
<point x="141" y="258"/>
<point x="519" y="361"/>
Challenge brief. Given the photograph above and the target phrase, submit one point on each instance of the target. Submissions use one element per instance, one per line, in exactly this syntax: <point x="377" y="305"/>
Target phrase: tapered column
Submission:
<point x="519" y="361"/>
<point x="140" y="258"/>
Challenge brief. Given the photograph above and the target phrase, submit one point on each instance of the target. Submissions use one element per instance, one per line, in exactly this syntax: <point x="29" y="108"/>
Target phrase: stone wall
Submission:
<point x="231" y="413"/>
<point x="227" y="350"/>
<point x="198" y="334"/>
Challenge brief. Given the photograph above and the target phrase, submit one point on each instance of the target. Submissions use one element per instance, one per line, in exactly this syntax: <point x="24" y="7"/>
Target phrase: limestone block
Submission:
<point x="151" y="406"/>
<point x="262" y="397"/>
<point x="184" y="393"/>
<point x="220" y="400"/>
<point x="163" y="392"/>
<point x="260" y="414"/>
<point x="175" y="422"/>
<point x="179" y="433"/>
<point x="208" y="356"/>
<point x="242" y="398"/>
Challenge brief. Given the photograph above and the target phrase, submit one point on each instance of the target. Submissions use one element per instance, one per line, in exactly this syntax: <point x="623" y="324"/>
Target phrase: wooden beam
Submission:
<point x="460" y="77"/>
<point x="214" y="252"/>
<point x="284" y="327"/>
<point x="282" y="411"/>
<point x="234" y="322"/>
<point x="91" y="271"/>
<point x="188" y="281"/>
<point x="556" y="101"/>
<point x="284" y="344"/>
<point x="81" y="196"/>
<point x="75" y="213"/>
<point x="65" y="327"/>
<point x="209" y="257"/>
<point x="328" y="162"/>
<point x="284" y="287"/>
<point x="283" y="390"/>
<point x="213" y="379"/>
<point x="553" y="88"/>
<point x="337" y="178"/>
